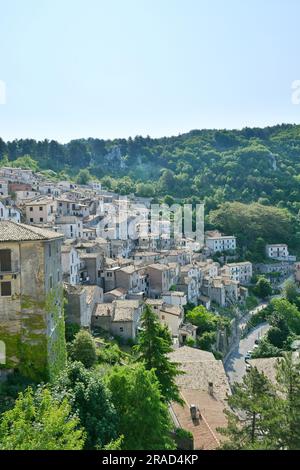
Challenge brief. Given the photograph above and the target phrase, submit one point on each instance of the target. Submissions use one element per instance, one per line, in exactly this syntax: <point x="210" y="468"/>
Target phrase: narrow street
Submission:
<point x="235" y="365"/>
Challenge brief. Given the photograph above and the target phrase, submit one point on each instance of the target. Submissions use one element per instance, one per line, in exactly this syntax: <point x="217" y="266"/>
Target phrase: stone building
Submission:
<point x="31" y="312"/>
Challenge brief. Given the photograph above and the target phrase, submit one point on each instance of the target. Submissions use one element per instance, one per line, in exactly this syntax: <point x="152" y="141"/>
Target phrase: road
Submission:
<point x="234" y="365"/>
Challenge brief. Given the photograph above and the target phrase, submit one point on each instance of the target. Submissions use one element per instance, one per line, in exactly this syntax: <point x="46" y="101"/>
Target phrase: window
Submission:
<point x="31" y="219"/>
<point x="99" y="273"/>
<point x="50" y="282"/>
<point x="5" y="289"/>
<point x="121" y="329"/>
<point x="40" y="208"/>
<point x="49" y="250"/>
<point x="31" y="209"/>
<point x="5" y="260"/>
<point x="41" y="219"/>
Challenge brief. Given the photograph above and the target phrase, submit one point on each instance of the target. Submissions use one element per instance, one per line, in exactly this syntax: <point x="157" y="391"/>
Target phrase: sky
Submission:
<point x="120" y="68"/>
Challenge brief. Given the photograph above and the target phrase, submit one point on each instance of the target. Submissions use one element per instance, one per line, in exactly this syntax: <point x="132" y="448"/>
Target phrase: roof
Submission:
<point x="13" y="231"/>
<point x="103" y="310"/>
<point x="204" y="430"/>
<point x="118" y="292"/>
<point x="172" y="310"/>
<point x="266" y="366"/>
<point x="40" y="202"/>
<point x="159" y="267"/>
<point x="200" y="368"/>
<point x="124" y="310"/>
<point x="174" y="293"/>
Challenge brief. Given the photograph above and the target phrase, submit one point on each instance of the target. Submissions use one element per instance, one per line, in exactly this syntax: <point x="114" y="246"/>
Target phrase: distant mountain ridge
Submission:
<point x="252" y="164"/>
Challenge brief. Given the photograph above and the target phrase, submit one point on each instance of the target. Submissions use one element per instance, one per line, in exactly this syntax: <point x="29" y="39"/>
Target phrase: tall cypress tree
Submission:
<point x="154" y="345"/>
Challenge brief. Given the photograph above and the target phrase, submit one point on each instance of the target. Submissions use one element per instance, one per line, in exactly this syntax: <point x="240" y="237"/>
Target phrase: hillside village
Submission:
<point x="65" y="243"/>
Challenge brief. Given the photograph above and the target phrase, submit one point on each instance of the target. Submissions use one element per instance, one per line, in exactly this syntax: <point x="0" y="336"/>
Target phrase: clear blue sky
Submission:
<point x="114" y="68"/>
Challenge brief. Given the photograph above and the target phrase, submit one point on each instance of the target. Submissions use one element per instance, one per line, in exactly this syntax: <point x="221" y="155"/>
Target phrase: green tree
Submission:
<point x="144" y="418"/>
<point x="91" y="401"/>
<point x="83" y="348"/>
<point x="288" y="378"/>
<point x="263" y="288"/>
<point x="206" y="321"/>
<point x="83" y="176"/>
<point x="253" y="415"/>
<point x="40" y="422"/>
<point x="282" y="308"/>
<point x="290" y="291"/>
<point x="153" y="346"/>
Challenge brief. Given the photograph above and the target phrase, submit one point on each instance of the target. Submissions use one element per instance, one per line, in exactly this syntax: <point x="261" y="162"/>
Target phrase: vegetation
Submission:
<point x="144" y="418"/>
<point x="207" y="324"/>
<point x="40" y="422"/>
<point x="266" y="415"/>
<point x="263" y="288"/>
<point x="83" y="349"/>
<point x="91" y="402"/>
<point x="154" y="344"/>
<point x="284" y="318"/>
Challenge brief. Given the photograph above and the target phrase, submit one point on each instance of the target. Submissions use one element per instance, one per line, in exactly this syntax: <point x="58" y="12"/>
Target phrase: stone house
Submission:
<point x="161" y="278"/>
<point x="121" y="318"/>
<point x="40" y="211"/>
<point x="81" y="303"/>
<point x="31" y="318"/>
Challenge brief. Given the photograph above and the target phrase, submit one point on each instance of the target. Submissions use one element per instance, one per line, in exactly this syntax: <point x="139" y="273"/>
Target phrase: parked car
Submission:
<point x="248" y="368"/>
<point x="248" y="355"/>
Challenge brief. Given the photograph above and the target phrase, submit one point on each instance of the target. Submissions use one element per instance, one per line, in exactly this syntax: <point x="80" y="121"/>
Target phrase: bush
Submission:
<point x="183" y="433"/>
<point x="110" y="354"/>
<point x="83" y="349"/>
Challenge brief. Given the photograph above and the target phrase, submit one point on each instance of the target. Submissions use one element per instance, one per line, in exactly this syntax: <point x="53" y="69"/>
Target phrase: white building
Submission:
<point x="70" y="264"/>
<point x="215" y="241"/>
<point x="17" y="174"/>
<point x="277" y="251"/>
<point x="9" y="213"/>
<point x="70" y="226"/>
<point x="241" y="272"/>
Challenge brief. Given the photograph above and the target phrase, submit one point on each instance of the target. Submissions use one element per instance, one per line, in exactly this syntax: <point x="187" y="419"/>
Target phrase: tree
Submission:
<point x="283" y="309"/>
<point x="288" y="378"/>
<point x="253" y="416"/>
<point x="83" y="176"/>
<point x="206" y="321"/>
<point x="83" y="349"/>
<point x="154" y="345"/>
<point x="252" y="221"/>
<point x="277" y="336"/>
<point x="290" y="291"/>
<point x="263" y="288"/>
<point x="40" y="422"/>
<point x="144" y="418"/>
<point x="91" y="401"/>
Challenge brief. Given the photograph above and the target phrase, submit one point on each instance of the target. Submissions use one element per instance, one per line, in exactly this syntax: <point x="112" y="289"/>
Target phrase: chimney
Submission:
<point x="211" y="388"/>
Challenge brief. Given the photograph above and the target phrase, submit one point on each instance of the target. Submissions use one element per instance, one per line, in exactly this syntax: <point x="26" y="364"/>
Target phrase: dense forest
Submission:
<point x="259" y="167"/>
